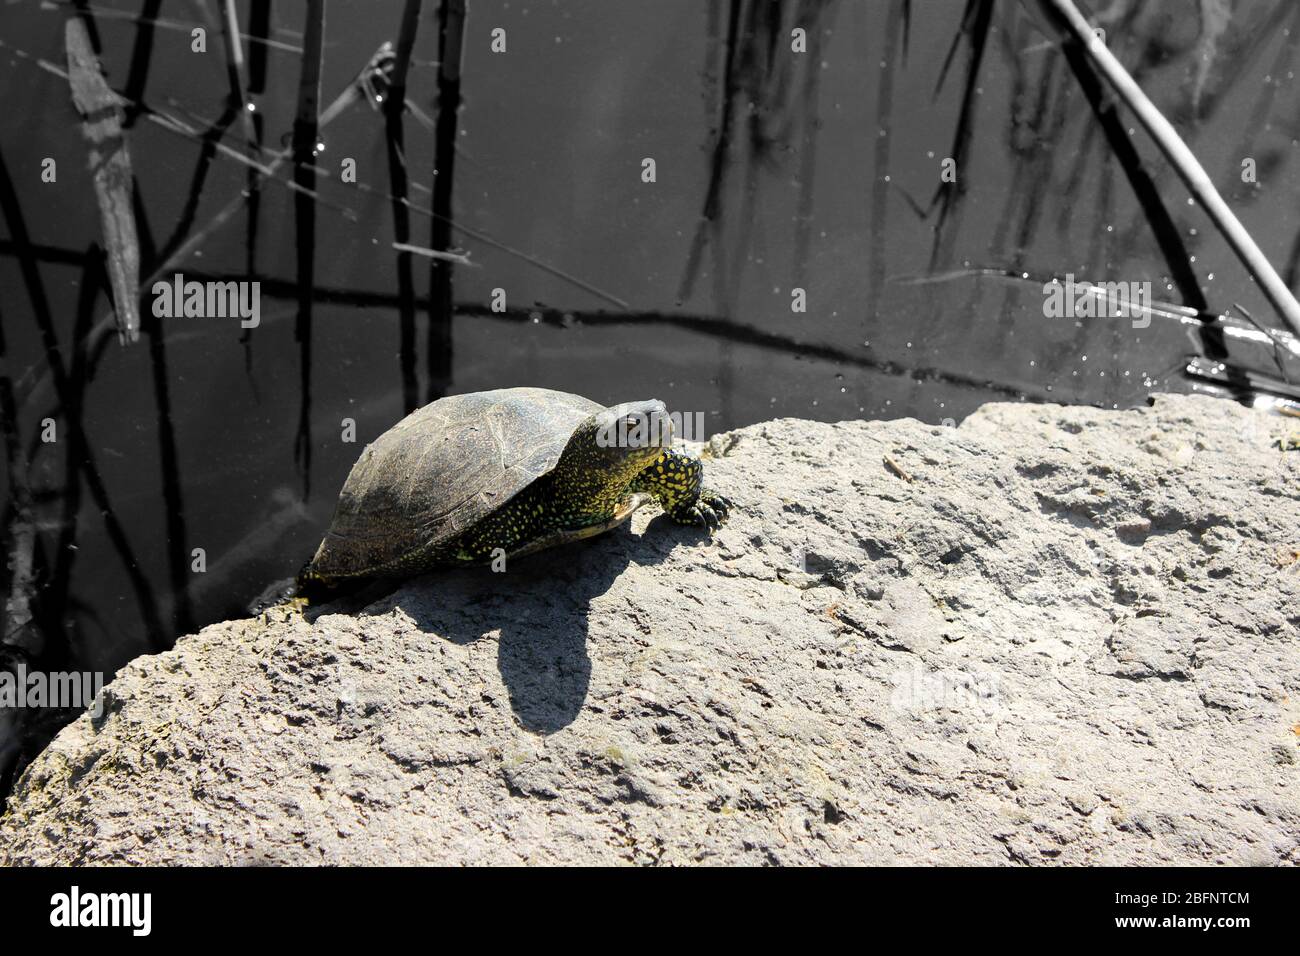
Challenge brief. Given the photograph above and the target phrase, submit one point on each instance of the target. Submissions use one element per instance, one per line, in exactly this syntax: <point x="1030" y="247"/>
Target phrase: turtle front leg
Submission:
<point x="677" y="482"/>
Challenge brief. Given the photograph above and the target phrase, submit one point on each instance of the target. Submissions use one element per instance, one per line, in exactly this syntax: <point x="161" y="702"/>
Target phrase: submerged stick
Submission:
<point x="235" y="72"/>
<point x="110" y="164"/>
<point x="398" y="181"/>
<point x="451" y="37"/>
<point x="306" y="127"/>
<point x="1065" y="16"/>
<point x="19" y="630"/>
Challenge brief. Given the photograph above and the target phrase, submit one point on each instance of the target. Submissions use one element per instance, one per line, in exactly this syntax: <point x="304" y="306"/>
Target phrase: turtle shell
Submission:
<point x="441" y="470"/>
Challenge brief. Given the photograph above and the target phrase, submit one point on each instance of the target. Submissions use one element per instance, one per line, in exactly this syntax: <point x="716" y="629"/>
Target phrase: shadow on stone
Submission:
<point x="540" y="607"/>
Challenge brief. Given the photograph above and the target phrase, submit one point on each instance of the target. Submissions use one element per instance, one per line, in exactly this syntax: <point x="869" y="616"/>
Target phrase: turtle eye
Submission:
<point x="634" y="432"/>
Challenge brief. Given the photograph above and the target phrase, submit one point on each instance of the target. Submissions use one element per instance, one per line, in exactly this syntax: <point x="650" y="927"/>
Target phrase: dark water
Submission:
<point x="774" y="170"/>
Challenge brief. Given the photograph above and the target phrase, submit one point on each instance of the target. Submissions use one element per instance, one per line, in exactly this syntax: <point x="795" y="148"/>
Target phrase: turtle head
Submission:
<point x="608" y="450"/>
<point x="638" y="431"/>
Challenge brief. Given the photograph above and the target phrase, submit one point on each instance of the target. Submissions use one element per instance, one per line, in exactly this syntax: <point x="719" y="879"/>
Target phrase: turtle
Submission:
<point x="470" y="478"/>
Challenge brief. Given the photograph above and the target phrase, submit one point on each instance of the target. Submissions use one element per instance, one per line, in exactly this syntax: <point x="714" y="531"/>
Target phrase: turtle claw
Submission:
<point x="708" y="511"/>
<point x="720" y="503"/>
<point x="711" y="519"/>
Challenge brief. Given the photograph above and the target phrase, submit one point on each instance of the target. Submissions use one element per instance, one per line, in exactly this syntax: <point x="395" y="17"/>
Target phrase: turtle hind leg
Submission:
<point x="677" y="482"/>
<point x="310" y="588"/>
<point x="313" y="594"/>
<point x="284" y="593"/>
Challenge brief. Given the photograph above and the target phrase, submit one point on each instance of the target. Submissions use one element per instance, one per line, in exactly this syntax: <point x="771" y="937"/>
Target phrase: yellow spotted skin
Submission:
<point x="580" y="493"/>
<point x="676" y="480"/>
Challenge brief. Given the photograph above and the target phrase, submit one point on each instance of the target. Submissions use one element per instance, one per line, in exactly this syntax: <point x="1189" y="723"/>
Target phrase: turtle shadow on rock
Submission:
<point x="540" y="607"/>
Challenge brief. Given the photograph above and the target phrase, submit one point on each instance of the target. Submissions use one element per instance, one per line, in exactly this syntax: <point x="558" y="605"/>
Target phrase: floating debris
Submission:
<point x="110" y="164"/>
<point x="458" y="257"/>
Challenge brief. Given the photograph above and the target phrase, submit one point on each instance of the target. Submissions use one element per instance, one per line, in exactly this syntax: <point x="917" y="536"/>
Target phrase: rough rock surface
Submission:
<point x="1051" y="635"/>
